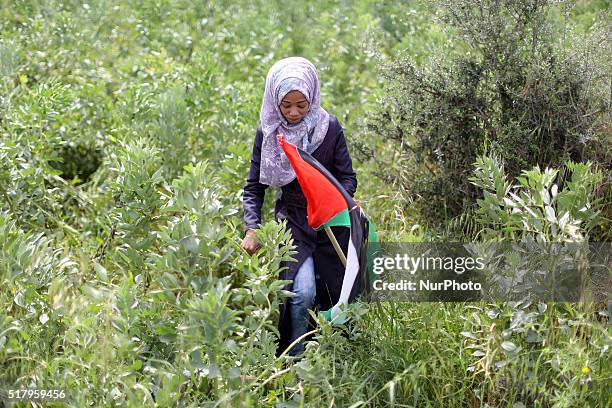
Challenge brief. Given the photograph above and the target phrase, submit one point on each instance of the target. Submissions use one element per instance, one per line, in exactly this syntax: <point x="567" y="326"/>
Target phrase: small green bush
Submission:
<point x="548" y="205"/>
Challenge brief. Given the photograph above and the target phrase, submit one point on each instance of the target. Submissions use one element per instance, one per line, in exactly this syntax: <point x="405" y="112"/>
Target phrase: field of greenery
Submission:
<point x="126" y="130"/>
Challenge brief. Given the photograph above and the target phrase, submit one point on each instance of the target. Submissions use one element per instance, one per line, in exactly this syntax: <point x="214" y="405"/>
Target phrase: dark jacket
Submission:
<point x="291" y="205"/>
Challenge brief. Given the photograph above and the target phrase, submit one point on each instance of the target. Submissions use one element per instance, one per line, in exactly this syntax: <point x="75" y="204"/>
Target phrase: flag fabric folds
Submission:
<point x="329" y="204"/>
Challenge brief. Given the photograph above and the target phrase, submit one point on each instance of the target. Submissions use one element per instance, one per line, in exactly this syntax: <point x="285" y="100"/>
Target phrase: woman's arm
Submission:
<point x="343" y="165"/>
<point x="254" y="191"/>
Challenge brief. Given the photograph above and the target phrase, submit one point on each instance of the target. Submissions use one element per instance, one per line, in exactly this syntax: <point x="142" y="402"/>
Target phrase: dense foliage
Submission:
<point x="513" y="87"/>
<point x="125" y="135"/>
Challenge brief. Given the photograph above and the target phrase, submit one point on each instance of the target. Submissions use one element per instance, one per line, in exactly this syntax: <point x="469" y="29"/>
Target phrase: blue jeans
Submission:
<point x="305" y="289"/>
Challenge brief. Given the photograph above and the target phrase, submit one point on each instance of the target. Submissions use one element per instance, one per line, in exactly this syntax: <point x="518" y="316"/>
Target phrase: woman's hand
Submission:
<point x="249" y="243"/>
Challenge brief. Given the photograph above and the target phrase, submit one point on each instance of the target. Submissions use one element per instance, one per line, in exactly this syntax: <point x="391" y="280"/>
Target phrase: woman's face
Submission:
<point x="294" y="106"/>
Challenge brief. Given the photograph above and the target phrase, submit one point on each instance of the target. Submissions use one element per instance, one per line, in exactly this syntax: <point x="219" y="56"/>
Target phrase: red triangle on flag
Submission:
<point x="323" y="198"/>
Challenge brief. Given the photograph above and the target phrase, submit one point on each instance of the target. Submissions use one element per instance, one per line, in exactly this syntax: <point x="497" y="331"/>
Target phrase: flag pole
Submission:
<point x="334" y="242"/>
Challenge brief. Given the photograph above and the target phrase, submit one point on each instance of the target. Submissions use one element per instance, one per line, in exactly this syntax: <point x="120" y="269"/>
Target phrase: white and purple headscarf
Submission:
<point x="289" y="74"/>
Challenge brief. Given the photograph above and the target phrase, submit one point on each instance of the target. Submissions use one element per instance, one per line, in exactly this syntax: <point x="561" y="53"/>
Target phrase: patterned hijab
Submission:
<point x="289" y="74"/>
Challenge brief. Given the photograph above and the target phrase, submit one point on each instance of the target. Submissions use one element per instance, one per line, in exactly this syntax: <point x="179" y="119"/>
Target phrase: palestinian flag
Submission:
<point x="329" y="205"/>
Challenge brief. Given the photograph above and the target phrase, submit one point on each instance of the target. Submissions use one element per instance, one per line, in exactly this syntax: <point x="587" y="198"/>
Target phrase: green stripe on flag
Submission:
<point x="327" y="315"/>
<point x="341" y="219"/>
<point x="372" y="235"/>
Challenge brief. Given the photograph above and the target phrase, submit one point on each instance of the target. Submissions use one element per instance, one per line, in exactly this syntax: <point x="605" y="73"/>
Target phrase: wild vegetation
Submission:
<point x="125" y="136"/>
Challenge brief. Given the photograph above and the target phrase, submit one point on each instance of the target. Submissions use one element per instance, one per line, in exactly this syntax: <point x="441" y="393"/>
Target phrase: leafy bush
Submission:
<point x="507" y="85"/>
<point x="171" y="310"/>
<point x="538" y="207"/>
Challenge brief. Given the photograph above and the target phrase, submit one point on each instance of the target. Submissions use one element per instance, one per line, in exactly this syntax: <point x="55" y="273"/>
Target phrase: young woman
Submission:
<point x="292" y="106"/>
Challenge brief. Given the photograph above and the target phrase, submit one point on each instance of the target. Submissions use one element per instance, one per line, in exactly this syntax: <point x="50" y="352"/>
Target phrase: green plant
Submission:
<point x="507" y="83"/>
<point x="538" y="206"/>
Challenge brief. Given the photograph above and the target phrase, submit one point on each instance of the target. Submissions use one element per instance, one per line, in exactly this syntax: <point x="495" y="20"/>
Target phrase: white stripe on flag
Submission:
<point x="350" y="274"/>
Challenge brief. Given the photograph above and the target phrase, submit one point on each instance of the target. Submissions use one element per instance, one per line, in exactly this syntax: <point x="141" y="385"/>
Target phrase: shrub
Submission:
<point x="506" y="87"/>
<point x="537" y="206"/>
<point x="552" y="212"/>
